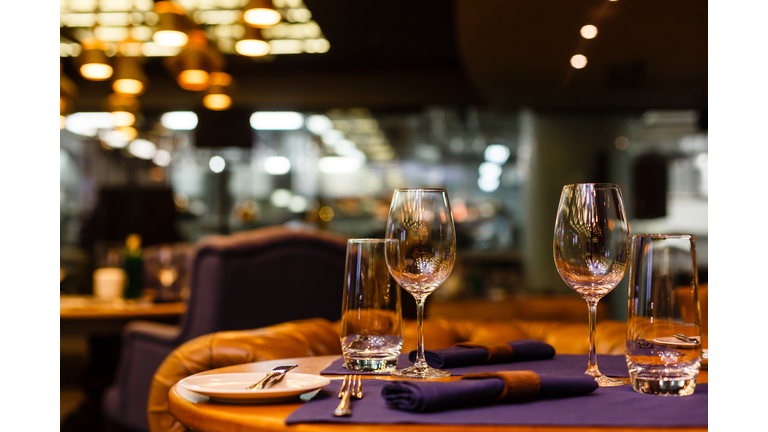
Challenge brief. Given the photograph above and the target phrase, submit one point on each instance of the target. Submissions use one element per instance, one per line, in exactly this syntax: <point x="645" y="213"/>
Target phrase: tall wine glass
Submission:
<point x="420" y="256"/>
<point x="591" y="248"/>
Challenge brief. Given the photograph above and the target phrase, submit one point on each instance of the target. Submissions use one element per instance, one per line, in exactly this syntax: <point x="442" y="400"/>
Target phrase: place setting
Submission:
<point x="520" y="382"/>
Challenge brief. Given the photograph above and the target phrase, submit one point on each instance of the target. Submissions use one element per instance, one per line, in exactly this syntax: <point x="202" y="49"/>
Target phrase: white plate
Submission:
<point x="671" y="340"/>
<point x="229" y="387"/>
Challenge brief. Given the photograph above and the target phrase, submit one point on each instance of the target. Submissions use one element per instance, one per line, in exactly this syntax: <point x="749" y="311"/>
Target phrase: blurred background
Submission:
<point x="180" y="120"/>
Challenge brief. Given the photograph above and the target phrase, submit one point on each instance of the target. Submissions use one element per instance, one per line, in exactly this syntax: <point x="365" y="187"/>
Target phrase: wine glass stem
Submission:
<point x="420" y="362"/>
<point x="592" y="368"/>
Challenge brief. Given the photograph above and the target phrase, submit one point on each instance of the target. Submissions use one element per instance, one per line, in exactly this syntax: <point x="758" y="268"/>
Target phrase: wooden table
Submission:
<point x="215" y="417"/>
<point x="94" y="317"/>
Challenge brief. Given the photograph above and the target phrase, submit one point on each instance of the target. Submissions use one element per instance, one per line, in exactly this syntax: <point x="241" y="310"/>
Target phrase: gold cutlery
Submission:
<point x="351" y="386"/>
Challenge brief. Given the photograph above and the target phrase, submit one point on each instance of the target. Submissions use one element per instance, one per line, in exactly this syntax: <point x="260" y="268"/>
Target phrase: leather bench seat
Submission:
<point x="318" y="337"/>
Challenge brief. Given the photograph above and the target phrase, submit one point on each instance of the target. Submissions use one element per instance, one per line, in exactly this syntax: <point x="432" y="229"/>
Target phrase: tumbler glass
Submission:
<point x="371" y="316"/>
<point x="663" y="348"/>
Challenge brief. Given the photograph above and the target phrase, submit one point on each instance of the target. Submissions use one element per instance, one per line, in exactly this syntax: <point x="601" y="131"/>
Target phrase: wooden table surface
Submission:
<point x="88" y="315"/>
<point x="220" y="417"/>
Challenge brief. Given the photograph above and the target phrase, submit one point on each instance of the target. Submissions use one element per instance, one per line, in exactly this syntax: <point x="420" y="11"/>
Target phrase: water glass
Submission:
<point x="663" y="348"/>
<point x="371" y="316"/>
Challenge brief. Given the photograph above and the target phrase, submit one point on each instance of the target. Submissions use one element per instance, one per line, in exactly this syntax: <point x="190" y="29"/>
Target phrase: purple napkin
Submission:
<point x="482" y="389"/>
<point x="456" y="356"/>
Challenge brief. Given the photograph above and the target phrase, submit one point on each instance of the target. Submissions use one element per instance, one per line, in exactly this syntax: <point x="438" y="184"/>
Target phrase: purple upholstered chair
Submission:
<point x="242" y="281"/>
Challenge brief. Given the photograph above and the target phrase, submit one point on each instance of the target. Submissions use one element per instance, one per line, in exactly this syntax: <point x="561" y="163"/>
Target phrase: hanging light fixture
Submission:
<point x="216" y="97"/>
<point x="261" y="13"/>
<point x="123" y="109"/>
<point x="129" y="78"/>
<point x="173" y="25"/>
<point x="252" y="44"/>
<point x="194" y="64"/>
<point x="94" y="64"/>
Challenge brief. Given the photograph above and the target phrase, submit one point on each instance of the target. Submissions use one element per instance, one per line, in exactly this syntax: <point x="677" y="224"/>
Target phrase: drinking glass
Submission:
<point x="371" y="315"/>
<point x="591" y="249"/>
<point x="663" y="318"/>
<point x="420" y="255"/>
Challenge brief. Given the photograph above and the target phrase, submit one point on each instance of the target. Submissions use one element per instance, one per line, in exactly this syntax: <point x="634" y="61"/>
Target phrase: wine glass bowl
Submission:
<point x="420" y="255"/>
<point x="591" y="249"/>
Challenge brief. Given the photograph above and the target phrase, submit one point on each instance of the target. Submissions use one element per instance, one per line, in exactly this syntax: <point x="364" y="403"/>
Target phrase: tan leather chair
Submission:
<point x="318" y="337"/>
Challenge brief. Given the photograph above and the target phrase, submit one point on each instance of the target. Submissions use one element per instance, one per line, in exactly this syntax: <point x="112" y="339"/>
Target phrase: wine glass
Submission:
<point x="591" y="248"/>
<point x="420" y="255"/>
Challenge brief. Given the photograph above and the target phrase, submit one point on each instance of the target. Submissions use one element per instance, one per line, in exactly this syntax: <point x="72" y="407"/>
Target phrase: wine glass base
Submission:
<point x="604" y="381"/>
<point x="420" y="373"/>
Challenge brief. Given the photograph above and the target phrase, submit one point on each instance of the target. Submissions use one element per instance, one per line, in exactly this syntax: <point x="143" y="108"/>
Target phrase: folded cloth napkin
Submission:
<point x="472" y="353"/>
<point x="482" y="389"/>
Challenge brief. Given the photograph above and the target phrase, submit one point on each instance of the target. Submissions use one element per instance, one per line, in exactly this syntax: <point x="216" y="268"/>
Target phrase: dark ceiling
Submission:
<point x="497" y="53"/>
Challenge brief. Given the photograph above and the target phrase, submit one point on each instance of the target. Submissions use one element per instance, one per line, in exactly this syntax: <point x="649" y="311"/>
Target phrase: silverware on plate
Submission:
<point x="351" y="386"/>
<point x="687" y="339"/>
<point x="273" y="377"/>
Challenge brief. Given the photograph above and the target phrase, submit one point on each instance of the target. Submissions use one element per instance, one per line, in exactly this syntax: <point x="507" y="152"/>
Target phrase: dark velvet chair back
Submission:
<point x="263" y="277"/>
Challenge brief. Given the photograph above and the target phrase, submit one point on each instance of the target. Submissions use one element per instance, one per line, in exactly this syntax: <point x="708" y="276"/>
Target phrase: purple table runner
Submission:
<point x="607" y="406"/>
<point x="611" y="365"/>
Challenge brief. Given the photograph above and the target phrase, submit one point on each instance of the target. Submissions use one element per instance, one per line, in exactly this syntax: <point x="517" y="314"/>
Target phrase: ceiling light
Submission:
<point x="62" y="122"/>
<point x="298" y="204"/>
<point x="497" y="153"/>
<point x="344" y="147"/>
<point x="113" y="138"/>
<point x="331" y="137"/>
<point x="172" y="25"/>
<point x="217" y="98"/>
<point x="488" y="184"/>
<point x="217" y="164"/>
<point x="88" y="123"/>
<point x="336" y="164"/>
<point x="277" y="120"/>
<point x="261" y="13"/>
<point x="129" y="78"/>
<point x="179" y="120"/>
<point x="252" y="44"/>
<point x="317" y="124"/>
<point x="578" y="61"/>
<point x="280" y="198"/>
<point x="123" y="118"/>
<point x="122" y="108"/>
<point x="194" y="64"/>
<point x="277" y="165"/>
<point x="489" y="169"/>
<point x="94" y="64"/>
<point x="142" y="149"/>
<point x="128" y="133"/>
<point x="162" y="158"/>
<point x="588" y="31"/>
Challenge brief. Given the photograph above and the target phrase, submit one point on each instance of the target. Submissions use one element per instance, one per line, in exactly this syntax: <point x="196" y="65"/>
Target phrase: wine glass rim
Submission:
<point x="420" y="189"/>
<point x="369" y="240"/>
<point x="672" y="236"/>
<point x="595" y="185"/>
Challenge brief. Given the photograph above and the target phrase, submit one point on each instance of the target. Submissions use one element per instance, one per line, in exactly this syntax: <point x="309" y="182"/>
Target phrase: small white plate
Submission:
<point x="671" y="340"/>
<point x="229" y="387"/>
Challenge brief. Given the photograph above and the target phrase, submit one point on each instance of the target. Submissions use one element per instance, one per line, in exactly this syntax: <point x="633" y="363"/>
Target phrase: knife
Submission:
<point x="272" y="377"/>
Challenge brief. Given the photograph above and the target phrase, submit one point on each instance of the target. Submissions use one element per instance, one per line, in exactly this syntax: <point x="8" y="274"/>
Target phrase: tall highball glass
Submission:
<point x="591" y="249"/>
<point x="420" y="255"/>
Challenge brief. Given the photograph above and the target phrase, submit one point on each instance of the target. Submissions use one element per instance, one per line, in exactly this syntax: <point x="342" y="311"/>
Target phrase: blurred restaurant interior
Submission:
<point x="180" y="120"/>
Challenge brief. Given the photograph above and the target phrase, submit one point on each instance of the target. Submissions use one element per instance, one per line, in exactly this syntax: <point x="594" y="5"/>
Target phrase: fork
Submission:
<point x="351" y="386"/>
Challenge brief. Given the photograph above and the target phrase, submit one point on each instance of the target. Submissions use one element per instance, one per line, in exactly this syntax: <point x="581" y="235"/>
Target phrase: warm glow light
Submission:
<point x="62" y="104"/>
<point x="128" y="133"/>
<point x="578" y="61"/>
<point x="261" y="17"/>
<point x="277" y="165"/>
<point x="588" y="31"/>
<point x="96" y="71"/>
<point x="170" y="38"/>
<point x="123" y="118"/>
<point x="325" y="213"/>
<point x="277" y="120"/>
<point x="217" y="101"/>
<point x="179" y="120"/>
<point x="252" y="47"/>
<point x="62" y="122"/>
<point x="128" y="86"/>
<point x="193" y="76"/>
<point x="217" y="164"/>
